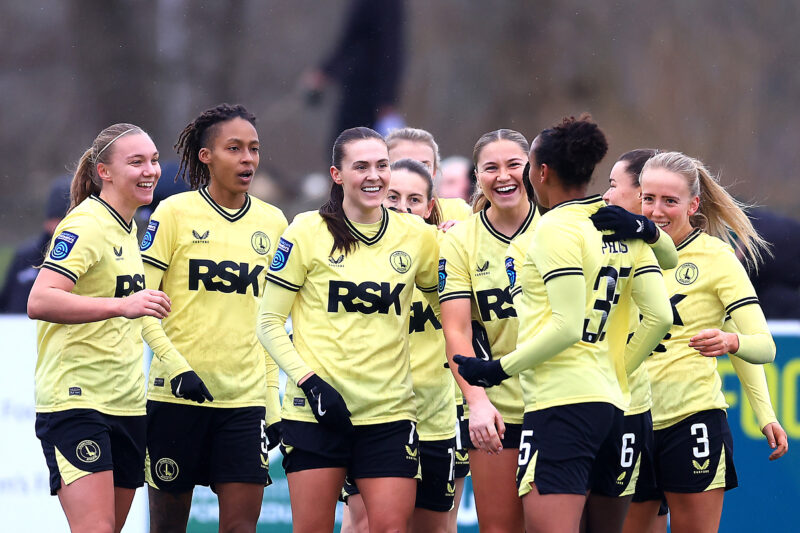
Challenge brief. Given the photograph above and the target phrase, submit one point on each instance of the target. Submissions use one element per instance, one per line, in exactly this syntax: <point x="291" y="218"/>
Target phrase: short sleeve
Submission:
<point x="426" y="278"/>
<point x="75" y="248"/>
<point x="556" y="251"/>
<point x="454" y="278"/>
<point x="288" y="268"/>
<point x="158" y="242"/>
<point x="733" y="286"/>
<point x="645" y="260"/>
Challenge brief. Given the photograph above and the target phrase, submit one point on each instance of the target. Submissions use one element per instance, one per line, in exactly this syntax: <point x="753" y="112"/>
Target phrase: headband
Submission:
<point x="112" y="142"/>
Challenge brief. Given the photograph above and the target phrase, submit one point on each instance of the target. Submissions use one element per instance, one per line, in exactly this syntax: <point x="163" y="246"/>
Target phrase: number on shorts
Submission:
<point x="525" y="448"/>
<point x="411" y="434"/>
<point x="702" y="448"/>
<point x="264" y="437"/>
<point x="452" y="475"/>
<point x="626" y="459"/>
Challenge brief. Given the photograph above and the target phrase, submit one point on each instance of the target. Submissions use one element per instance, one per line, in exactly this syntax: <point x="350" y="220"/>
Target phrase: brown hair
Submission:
<point x="719" y="213"/>
<point x="85" y="181"/>
<point x="332" y="211"/>
<point x="412" y="165"/>
<point x="416" y="135"/>
<point x="479" y="200"/>
<point x="635" y="160"/>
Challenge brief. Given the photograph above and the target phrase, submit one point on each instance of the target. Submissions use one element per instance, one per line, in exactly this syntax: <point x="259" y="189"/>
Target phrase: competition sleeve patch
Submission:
<point x="62" y="245"/>
<point x="442" y="274"/>
<point x="150" y="235"/>
<point x="511" y="271"/>
<point x="281" y="255"/>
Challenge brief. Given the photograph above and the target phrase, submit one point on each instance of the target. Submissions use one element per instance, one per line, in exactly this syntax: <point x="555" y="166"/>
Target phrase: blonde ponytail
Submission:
<point x="719" y="214"/>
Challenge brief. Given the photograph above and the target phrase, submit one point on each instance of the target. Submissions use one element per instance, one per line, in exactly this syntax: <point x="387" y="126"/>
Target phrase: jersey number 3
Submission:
<point x="602" y="305"/>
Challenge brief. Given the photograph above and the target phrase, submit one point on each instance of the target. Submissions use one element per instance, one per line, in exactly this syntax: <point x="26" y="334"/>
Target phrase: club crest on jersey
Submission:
<point x="442" y="274"/>
<point x="149" y="235"/>
<point x="400" y="261"/>
<point x="511" y="271"/>
<point x="281" y="255"/>
<point x="200" y="237"/>
<point x="260" y="242"/>
<point x="336" y="262"/>
<point x="687" y="273"/>
<point x="87" y="451"/>
<point x="166" y="469"/>
<point x="62" y="245"/>
<point x="482" y="270"/>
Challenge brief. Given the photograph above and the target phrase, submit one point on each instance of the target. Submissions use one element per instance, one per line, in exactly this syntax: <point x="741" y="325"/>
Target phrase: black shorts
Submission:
<point x="390" y="449"/>
<point x="190" y="445"/>
<point x="462" y="438"/>
<point x="560" y="447"/>
<point x="78" y="442"/>
<point x="436" y="489"/>
<point x="631" y="462"/>
<point x="694" y="455"/>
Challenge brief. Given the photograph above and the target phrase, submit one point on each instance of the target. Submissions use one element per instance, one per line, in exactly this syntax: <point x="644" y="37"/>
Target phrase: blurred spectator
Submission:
<point x="777" y="281"/>
<point x="29" y="255"/>
<point x="367" y="62"/>
<point x="457" y="179"/>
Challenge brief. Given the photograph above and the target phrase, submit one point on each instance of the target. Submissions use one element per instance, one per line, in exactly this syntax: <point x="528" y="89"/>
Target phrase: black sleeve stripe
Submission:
<point x="61" y="270"/>
<point x="454" y="296"/>
<point x="562" y="272"/>
<point x="646" y="269"/>
<point x="154" y="262"/>
<point x="434" y="288"/>
<point x="283" y="283"/>
<point x="741" y="303"/>
<point x="516" y="291"/>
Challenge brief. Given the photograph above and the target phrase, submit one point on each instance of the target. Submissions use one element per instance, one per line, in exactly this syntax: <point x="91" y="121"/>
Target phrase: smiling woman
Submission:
<point x="89" y="380"/>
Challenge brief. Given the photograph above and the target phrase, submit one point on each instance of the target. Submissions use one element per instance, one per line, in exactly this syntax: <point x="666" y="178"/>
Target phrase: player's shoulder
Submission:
<point x="89" y="217"/>
<point x="268" y="210"/>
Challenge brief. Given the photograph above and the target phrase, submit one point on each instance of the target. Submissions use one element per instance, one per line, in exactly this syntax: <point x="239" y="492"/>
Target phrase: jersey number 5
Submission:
<point x="602" y="305"/>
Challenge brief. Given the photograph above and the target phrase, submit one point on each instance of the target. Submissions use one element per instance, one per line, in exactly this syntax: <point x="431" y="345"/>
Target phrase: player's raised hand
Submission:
<point x="624" y="224"/>
<point x="480" y="373"/>
<point x="146" y="302"/>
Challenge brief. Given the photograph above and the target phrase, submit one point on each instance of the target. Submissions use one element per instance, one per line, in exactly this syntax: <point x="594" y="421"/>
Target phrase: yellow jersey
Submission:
<point x="454" y="209"/>
<point x="471" y="266"/>
<point x="212" y="262"/>
<point x="350" y="313"/>
<point x="708" y="284"/>
<point x="97" y="365"/>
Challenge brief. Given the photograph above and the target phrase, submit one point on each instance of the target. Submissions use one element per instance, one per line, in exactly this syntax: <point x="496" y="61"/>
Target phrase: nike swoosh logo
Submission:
<point x="484" y="354"/>
<point x="320" y="410"/>
<point x="178" y="388"/>
<point x="641" y="226"/>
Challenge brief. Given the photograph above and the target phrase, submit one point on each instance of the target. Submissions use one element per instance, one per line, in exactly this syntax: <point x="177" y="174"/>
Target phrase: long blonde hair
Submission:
<point x="85" y="181"/>
<point x="719" y="214"/>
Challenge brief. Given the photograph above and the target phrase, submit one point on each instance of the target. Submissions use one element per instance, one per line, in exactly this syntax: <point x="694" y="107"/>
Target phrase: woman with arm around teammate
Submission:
<point x="209" y="249"/>
<point x="346" y="274"/>
<point x="693" y="446"/>
<point x="87" y="300"/>
<point x="566" y="290"/>
<point x="473" y="291"/>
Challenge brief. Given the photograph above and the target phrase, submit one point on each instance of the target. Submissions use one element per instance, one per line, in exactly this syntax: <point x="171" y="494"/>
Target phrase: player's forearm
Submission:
<point x="754" y="383"/>
<point x="457" y="328"/>
<point x="564" y="328"/>
<point x="651" y="297"/>
<point x="756" y="344"/>
<point x="271" y="331"/>
<point x="156" y="338"/>
<point x="60" y="307"/>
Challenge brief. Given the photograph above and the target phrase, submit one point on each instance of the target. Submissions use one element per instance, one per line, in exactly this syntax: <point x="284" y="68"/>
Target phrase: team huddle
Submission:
<point x="559" y="347"/>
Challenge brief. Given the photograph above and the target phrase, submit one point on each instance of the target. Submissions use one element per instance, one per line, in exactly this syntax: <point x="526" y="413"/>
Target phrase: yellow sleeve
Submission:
<point x="273" y="391"/>
<point x="271" y="330"/>
<point x="755" y="340"/>
<point x="650" y="295"/>
<point x="454" y="278"/>
<point x="76" y="246"/>
<point x="665" y="251"/>
<point x="753" y="380"/>
<point x="567" y="296"/>
<point x="426" y="279"/>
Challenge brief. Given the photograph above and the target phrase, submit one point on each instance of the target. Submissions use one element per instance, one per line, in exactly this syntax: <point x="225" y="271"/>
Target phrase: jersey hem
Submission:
<point x="356" y="422"/>
<point x="664" y="424"/>
<point x="99" y="408"/>
<point x="428" y="437"/>
<point x="573" y="401"/>
<point x="216" y="403"/>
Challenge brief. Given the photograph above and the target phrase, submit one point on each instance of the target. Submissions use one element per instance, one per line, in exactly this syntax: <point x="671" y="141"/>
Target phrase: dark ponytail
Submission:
<point x="332" y="211"/>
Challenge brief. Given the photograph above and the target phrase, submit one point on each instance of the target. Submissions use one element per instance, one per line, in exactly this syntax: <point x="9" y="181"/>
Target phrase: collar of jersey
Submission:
<point x="230" y="217"/>
<point x="375" y="238"/>
<point x="582" y="201"/>
<point x="524" y="226"/>
<point x="121" y="221"/>
<point x="689" y="238"/>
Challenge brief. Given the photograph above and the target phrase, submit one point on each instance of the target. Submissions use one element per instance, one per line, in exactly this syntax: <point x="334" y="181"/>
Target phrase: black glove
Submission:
<point x="189" y="386"/>
<point x="625" y="224"/>
<point x="274" y="433"/>
<point x="480" y="342"/>
<point x="480" y="373"/>
<point x="327" y="405"/>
